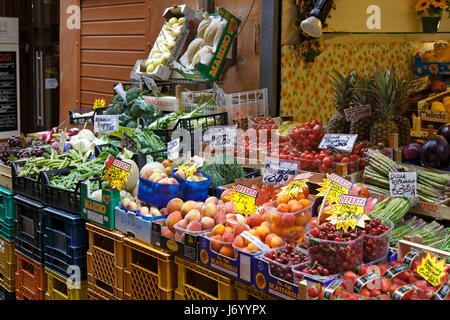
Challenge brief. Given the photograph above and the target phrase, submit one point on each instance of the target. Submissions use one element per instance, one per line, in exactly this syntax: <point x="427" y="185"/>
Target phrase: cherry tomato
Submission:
<point x="345" y="160"/>
<point x="328" y="161"/>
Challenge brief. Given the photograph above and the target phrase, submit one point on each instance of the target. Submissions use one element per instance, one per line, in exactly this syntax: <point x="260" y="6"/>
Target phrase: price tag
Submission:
<point x="349" y="212"/>
<point x="119" y="89"/>
<point x="403" y="184"/>
<point x="106" y="123"/>
<point x="99" y="103"/>
<point x="258" y="243"/>
<point x="62" y="141"/>
<point x="357" y="113"/>
<point x="296" y="184"/>
<point x="278" y="172"/>
<point x="245" y="199"/>
<point x="334" y="186"/>
<point x="130" y="143"/>
<point x="189" y="167"/>
<point x="221" y="137"/>
<point x="417" y="85"/>
<point x="116" y="172"/>
<point x="151" y="84"/>
<point x="173" y="149"/>
<point x="342" y="142"/>
<point x="432" y="270"/>
<point x="402" y="291"/>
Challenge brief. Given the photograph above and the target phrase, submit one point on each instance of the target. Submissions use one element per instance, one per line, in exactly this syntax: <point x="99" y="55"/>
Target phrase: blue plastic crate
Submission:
<point x="29" y="226"/>
<point x="65" y="240"/>
<point x="61" y="267"/>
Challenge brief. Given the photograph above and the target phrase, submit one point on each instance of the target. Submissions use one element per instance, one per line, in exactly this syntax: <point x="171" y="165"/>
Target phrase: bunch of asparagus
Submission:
<point x="393" y="209"/>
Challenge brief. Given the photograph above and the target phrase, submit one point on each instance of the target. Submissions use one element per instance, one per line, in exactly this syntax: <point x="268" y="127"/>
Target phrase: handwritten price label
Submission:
<point x="349" y="213"/>
<point x="189" y="167"/>
<point x="105" y="123"/>
<point x="99" y="103"/>
<point x="173" y="149"/>
<point x="432" y="270"/>
<point x="296" y="184"/>
<point x="245" y="199"/>
<point x="343" y="142"/>
<point x="221" y="137"/>
<point x="403" y="184"/>
<point x="116" y="172"/>
<point x="278" y="172"/>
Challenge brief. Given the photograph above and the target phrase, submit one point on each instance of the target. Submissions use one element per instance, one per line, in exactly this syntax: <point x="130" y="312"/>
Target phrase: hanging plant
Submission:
<point x="310" y="48"/>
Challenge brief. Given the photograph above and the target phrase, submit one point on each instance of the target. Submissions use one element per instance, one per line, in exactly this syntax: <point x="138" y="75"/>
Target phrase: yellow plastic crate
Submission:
<point x="196" y="282"/>
<point x="8" y="264"/>
<point x="57" y="288"/>
<point x="149" y="273"/>
<point x="246" y="292"/>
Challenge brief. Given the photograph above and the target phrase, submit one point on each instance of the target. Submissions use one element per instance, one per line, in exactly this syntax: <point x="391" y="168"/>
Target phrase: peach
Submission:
<point x="132" y="206"/>
<point x="252" y="247"/>
<point x="283" y="207"/>
<point x="288" y="220"/>
<point x="164" y="211"/>
<point x="209" y="209"/>
<point x="282" y="198"/>
<point x="231" y="216"/>
<point x="262" y="232"/>
<point x="240" y="218"/>
<point x="225" y="195"/>
<point x="166" y="232"/>
<point x="207" y="223"/>
<point x="276" y="242"/>
<point x="187" y="206"/>
<point x="239" y="242"/>
<point x="174" y="205"/>
<point x="220" y="217"/>
<point x="254" y="220"/>
<point x="182" y="224"/>
<point x="230" y="207"/>
<point x="145" y="211"/>
<point x="300" y="220"/>
<point x="216" y="242"/>
<point x="174" y="218"/>
<point x="218" y="230"/>
<point x="194" y="226"/>
<point x="239" y="228"/>
<point x="213" y="200"/>
<point x="199" y="206"/>
<point x="269" y="238"/>
<point x="229" y="229"/>
<point x="193" y="215"/>
<point x="227" y="251"/>
<point x="274" y="218"/>
<point x="125" y="202"/>
<point x="228" y="237"/>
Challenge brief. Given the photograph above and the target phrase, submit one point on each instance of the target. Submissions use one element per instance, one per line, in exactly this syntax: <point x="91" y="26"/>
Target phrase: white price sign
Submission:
<point x="278" y="172"/>
<point x="342" y="142"/>
<point x="173" y="149"/>
<point x="403" y="184"/>
<point x="222" y="137"/>
<point x="106" y="123"/>
<point x="119" y="89"/>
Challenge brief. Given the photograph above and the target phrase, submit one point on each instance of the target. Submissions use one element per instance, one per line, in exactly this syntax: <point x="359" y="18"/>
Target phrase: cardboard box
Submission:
<point x="188" y="31"/>
<point x="187" y="249"/>
<point x="212" y="71"/>
<point x="240" y="268"/>
<point x="5" y="177"/>
<point x="431" y="68"/>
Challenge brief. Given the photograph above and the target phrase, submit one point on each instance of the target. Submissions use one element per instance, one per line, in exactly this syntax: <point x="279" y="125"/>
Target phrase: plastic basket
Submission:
<point x="316" y="165"/>
<point x="65" y="242"/>
<point x="29" y="228"/>
<point x="283" y="270"/>
<point x="195" y="191"/>
<point x="26" y="186"/>
<point x="105" y="262"/>
<point x="149" y="274"/>
<point x="180" y="232"/>
<point x="199" y="283"/>
<point x="31" y="279"/>
<point x="8" y="264"/>
<point x="156" y="194"/>
<point x="7" y="207"/>
<point x="377" y="247"/>
<point x="59" y="289"/>
<point x="84" y="119"/>
<point x="6" y="295"/>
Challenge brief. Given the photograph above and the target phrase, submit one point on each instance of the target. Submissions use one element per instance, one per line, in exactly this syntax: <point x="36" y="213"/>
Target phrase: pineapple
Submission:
<point x="404" y="130"/>
<point x="389" y="95"/>
<point x="362" y="97"/>
<point x="343" y="90"/>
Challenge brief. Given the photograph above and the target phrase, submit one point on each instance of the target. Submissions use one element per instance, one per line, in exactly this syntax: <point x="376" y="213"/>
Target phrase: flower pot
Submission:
<point x="430" y="25"/>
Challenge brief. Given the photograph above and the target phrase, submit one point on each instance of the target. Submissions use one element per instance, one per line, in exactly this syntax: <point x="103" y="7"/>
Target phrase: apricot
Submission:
<point x="276" y="228"/>
<point x="252" y="247"/>
<point x="239" y="228"/>
<point x="305" y="203"/>
<point x="187" y="206"/>
<point x="286" y="232"/>
<point x="216" y="242"/>
<point x="262" y="232"/>
<point x="283" y="207"/>
<point x="194" y="226"/>
<point x="207" y="223"/>
<point x="274" y="218"/>
<point x="218" y="229"/>
<point x="229" y="229"/>
<point x="308" y="216"/>
<point x="166" y="232"/>
<point x="254" y="220"/>
<point x="299" y="231"/>
<point x="292" y="203"/>
<point x="174" y="205"/>
<point x="288" y="219"/>
<point x="239" y="242"/>
<point x="300" y="220"/>
<point x="227" y="251"/>
<point x="300" y="196"/>
<point x="173" y="219"/>
<point x="282" y="198"/>
<point x="269" y="238"/>
<point x="296" y="208"/>
<point x="276" y="242"/>
<point x="265" y="223"/>
<point x="253" y="232"/>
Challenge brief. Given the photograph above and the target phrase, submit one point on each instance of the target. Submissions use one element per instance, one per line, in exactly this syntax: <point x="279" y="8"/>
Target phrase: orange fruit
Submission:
<point x="283" y="207"/>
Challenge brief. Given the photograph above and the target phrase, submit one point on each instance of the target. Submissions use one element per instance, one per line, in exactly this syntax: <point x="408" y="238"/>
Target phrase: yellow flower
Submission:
<point x="302" y="119"/>
<point x="285" y="60"/>
<point x="315" y="92"/>
<point x="284" y="94"/>
<point x="315" y="113"/>
<point x="422" y="5"/>
<point x="304" y="86"/>
<point x="433" y="68"/>
<point x="290" y="105"/>
<point x="308" y="102"/>
<point x="438" y="3"/>
<point x="290" y="74"/>
<point x="296" y="85"/>
<point x="325" y="80"/>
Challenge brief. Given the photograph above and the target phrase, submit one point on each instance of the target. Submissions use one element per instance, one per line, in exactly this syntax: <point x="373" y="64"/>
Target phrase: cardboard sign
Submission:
<point x="278" y="172"/>
<point x="333" y="187"/>
<point x="403" y="184"/>
<point x="349" y="213"/>
<point x="116" y="172"/>
<point x="432" y="270"/>
<point x="189" y="167"/>
<point x="173" y="149"/>
<point x="342" y="142"/>
<point x="99" y="103"/>
<point x="130" y="143"/>
<point x="245" y="199"/>
<point x="119" y="89"/>
<point x="222" y="137"/>
<point x="357" y="113"/>
<point x="417" y="85"/>
<point x="295" y="185"/>
<point x="106" y="124"/>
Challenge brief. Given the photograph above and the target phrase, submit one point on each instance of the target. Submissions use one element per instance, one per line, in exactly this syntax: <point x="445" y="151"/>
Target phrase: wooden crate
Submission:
<point x="5" y="177"/>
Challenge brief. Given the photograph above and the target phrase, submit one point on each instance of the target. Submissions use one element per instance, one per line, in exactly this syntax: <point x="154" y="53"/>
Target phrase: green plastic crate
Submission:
<point x="99" y="212"/>
<point x="7" y="214"/>
<point x="7" y="232"/>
